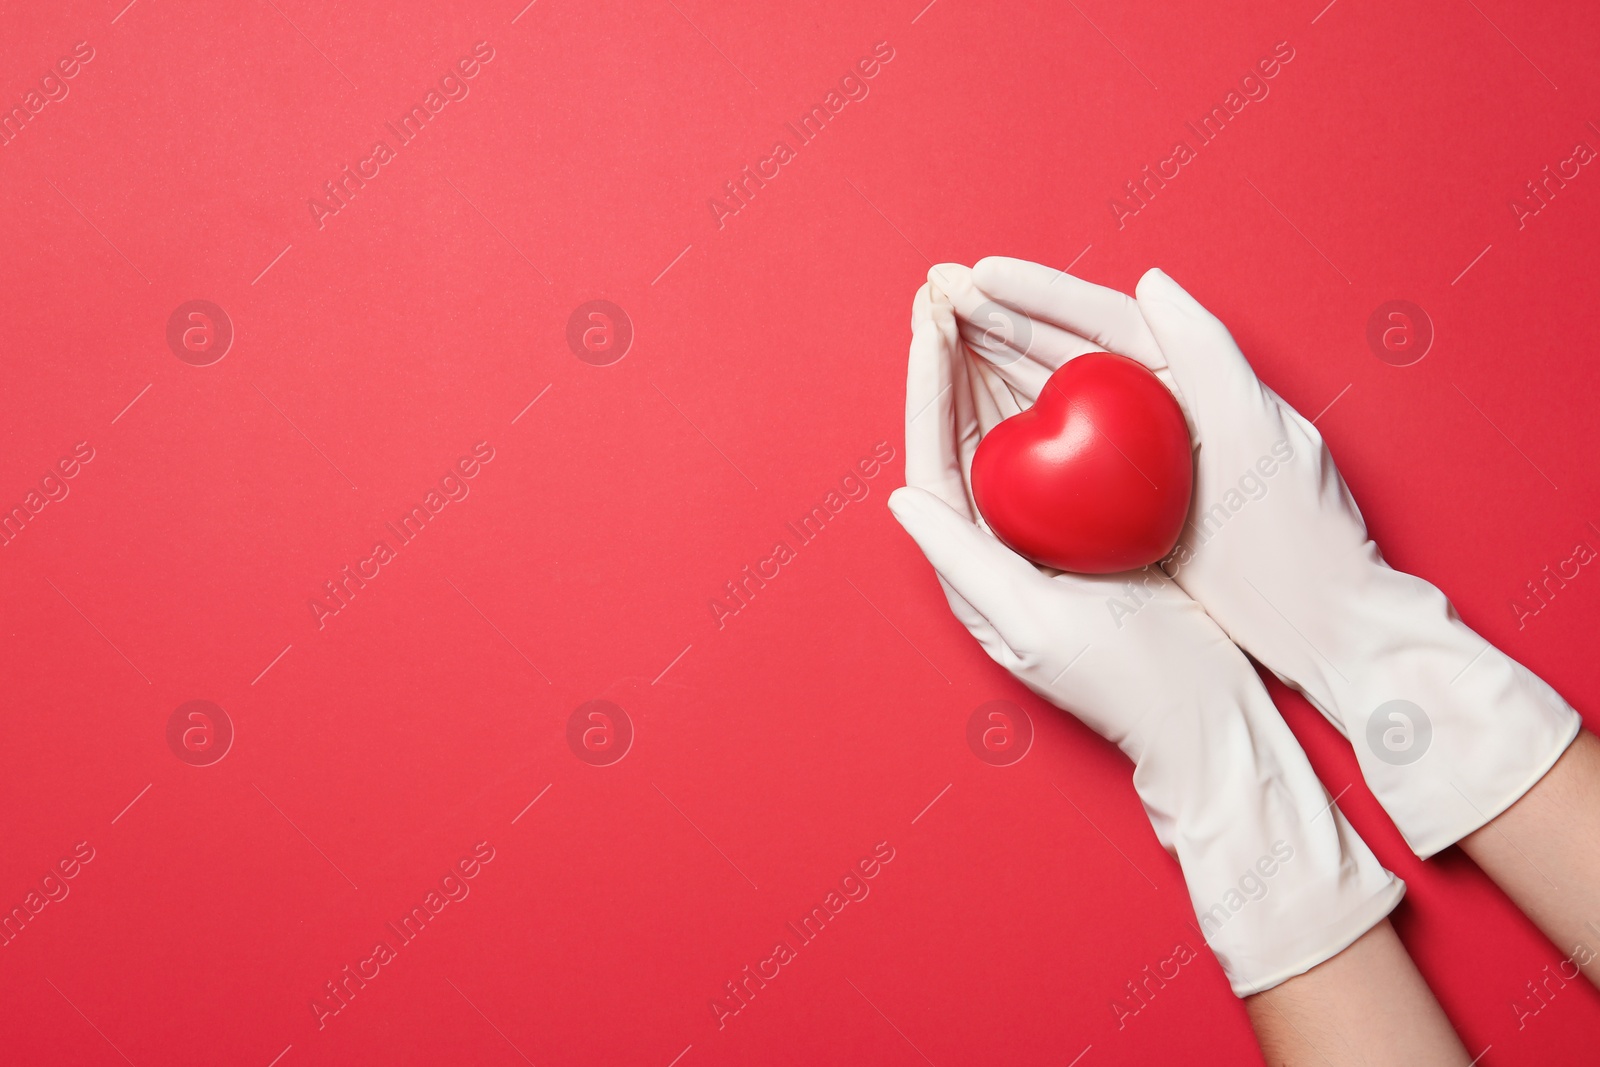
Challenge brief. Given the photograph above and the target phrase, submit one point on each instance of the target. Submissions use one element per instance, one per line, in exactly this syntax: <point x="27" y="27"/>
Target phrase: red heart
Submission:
<point x="1096" y="476"/>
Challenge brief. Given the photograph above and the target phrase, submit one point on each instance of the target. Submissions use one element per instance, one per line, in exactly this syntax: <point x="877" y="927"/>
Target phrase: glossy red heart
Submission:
<point x="1096" y="476"/>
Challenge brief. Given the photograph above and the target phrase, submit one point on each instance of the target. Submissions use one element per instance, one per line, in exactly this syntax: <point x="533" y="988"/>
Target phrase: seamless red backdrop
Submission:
<point x="416" y="325"/>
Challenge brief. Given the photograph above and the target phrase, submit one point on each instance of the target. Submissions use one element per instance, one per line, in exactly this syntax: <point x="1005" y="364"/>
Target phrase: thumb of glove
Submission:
<point x="1211" y="372"/>
<point x="985" y="573"/>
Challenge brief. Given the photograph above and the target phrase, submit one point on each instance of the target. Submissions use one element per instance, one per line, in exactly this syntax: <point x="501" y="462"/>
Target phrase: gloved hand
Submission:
<point x="1226" y="786"/>
<point x="1449" y="732"/>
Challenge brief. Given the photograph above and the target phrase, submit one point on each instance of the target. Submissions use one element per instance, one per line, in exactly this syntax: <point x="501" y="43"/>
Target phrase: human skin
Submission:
<point x="1370" y="1005"/>
<point x="1541" y="852"/>
<point x="1366" y="1006"/>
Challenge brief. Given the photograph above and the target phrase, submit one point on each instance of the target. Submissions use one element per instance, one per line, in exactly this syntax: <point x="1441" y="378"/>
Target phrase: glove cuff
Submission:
<point x="1449" y="730"/>
<point x="1279" y="880"/>
<point x="1295" y="956"/>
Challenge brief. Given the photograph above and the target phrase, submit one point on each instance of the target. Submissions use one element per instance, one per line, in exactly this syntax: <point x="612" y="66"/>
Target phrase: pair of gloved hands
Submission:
<point x="1275" y="561"/>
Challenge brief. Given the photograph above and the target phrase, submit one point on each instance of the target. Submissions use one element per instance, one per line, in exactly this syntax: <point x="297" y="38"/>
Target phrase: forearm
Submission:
<point x="1368" y="1005"/>
<point x="1541" y="852"/>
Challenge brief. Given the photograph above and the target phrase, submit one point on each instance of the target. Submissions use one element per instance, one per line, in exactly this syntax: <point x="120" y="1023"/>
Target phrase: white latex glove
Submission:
<point x="1449" y="732"/>
<point x="1227" y="788"/>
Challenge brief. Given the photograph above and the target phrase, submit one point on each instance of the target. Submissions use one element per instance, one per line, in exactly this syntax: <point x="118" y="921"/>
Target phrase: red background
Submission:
<point x="826" y="715"/>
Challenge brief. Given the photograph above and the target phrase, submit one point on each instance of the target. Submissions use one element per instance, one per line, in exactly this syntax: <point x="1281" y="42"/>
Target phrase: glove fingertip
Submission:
<point x="946" y="277"/>
<point x="991" y="271"/>
<point x="910" y="506"/>
<point x="900" y="500"/>
<point x="1155" y="284"/>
